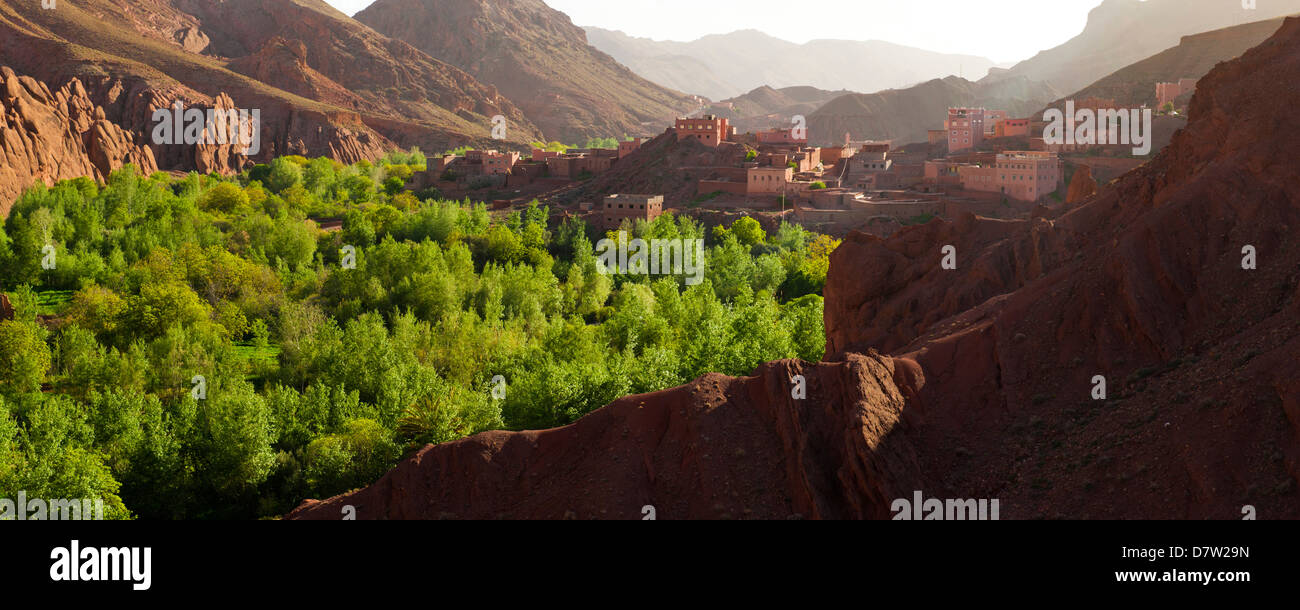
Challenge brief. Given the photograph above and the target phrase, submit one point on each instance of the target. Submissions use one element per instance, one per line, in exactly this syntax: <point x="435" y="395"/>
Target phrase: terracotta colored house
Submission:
<point x="1011" y="128"/>
<point x="768" y="180"/>
<point x="1166" y="93"/>
<point x="617" y="208"/>
<point x="1021" y="175"/>
<point x="783" y="136"/>
<point x="965" y="128"/>
<point x="991" y="120"/>
<point x="630" y="146"/>
<point x="709" y="129"/>
<point x="499" y="163"/>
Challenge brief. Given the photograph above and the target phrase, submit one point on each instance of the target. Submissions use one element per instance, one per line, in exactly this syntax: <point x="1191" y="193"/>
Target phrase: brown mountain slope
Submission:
<point x="538" y="58"/>
<point x="1121" y="32"/>
<point x="904" y="115"/>
<point x="1194" y="56"/>
<point x="765" y="107"/>
<point x="1141" y="284"/>
<point x="325" y="85"/>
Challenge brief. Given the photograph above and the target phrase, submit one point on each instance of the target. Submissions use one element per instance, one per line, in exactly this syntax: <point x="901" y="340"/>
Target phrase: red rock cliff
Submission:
<point x="53" y="135"/>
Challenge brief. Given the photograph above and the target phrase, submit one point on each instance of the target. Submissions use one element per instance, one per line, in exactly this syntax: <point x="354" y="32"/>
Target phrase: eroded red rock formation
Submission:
<point x="324" y="84"/>
<point x="53" y="135"/>
<point x="718" y="448"/>
<point x="1082" y="185"/>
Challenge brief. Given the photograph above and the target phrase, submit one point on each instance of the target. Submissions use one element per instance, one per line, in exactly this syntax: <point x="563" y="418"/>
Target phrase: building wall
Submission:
<point x="835" y="154"/>
<point x="782" y="136"/>
<point x="768" y="180"/>
<point x="992" y="118"/>
<point x="1012" y="128"/>
<point x="541" y="156"/>
<point x="1028" y="176"/>
<point x="1168" y="92"/>
<point x="979" y="178"/>
<point x="616" y="208"/>
<point x="499" y="164"/>
<point x="628" y="147"/>
<point x="710" y="130"/>
<point x="965" y="128"/>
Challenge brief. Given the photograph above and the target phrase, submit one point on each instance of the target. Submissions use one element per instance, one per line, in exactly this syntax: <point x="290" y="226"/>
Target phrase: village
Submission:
<point x="983" y="161"/>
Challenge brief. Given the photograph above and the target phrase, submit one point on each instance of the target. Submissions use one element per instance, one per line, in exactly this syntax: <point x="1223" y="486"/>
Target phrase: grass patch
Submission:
<point x="257" y="354"/>
<point x="52" y="302"/>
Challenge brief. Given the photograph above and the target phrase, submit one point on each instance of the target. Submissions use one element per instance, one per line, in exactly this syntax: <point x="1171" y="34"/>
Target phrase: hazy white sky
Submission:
<point x="1001" y="30"/>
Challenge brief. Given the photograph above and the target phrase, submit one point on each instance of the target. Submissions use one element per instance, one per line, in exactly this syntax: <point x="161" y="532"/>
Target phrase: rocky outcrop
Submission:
<point x="324" y="84"/>
<point x="1143" y="287"/>
<point x="53" y="135"/>
<point x="1082" y="185"/>
<point x="719" y="448"/>
<point x="6" y="310"/>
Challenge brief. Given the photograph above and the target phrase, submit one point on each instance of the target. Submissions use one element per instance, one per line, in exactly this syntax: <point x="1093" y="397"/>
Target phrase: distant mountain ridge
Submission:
<point x="905" y="115"/>
<point x="728" y="65"/>
<point x="1122" y="32"/>
<point x="536" y="57"/>
<point x="1194" y="57"/>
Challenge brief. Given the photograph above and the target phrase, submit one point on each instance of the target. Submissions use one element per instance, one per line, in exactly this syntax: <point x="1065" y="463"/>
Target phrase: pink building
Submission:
<point x="498" y="163"/>
<point x="1012" y="128"/>
<point x="617" y="208"/>
<point x="709" y="129"/>
<point x="630" y="146"/>
<point x="991" y="120"/>
<point x="1167" y="92"/>
<point x="768" y="180"/>
<point x="1021" y="175"/>
<point x="541" y="156"/>
<point x="783" y="136"/>
<point x="965" y="128"/>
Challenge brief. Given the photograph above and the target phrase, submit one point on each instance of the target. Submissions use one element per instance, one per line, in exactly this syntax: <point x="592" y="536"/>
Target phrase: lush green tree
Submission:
<point x="284" y="174"/>
<point x="24" y="357"/>
<point x="225" y="198"/>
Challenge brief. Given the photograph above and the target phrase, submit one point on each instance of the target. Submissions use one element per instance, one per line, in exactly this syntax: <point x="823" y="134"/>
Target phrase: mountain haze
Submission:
<point x="727" y="65"/>
<point x="1193" y="58"/>
<point x="1122" y="32"/>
